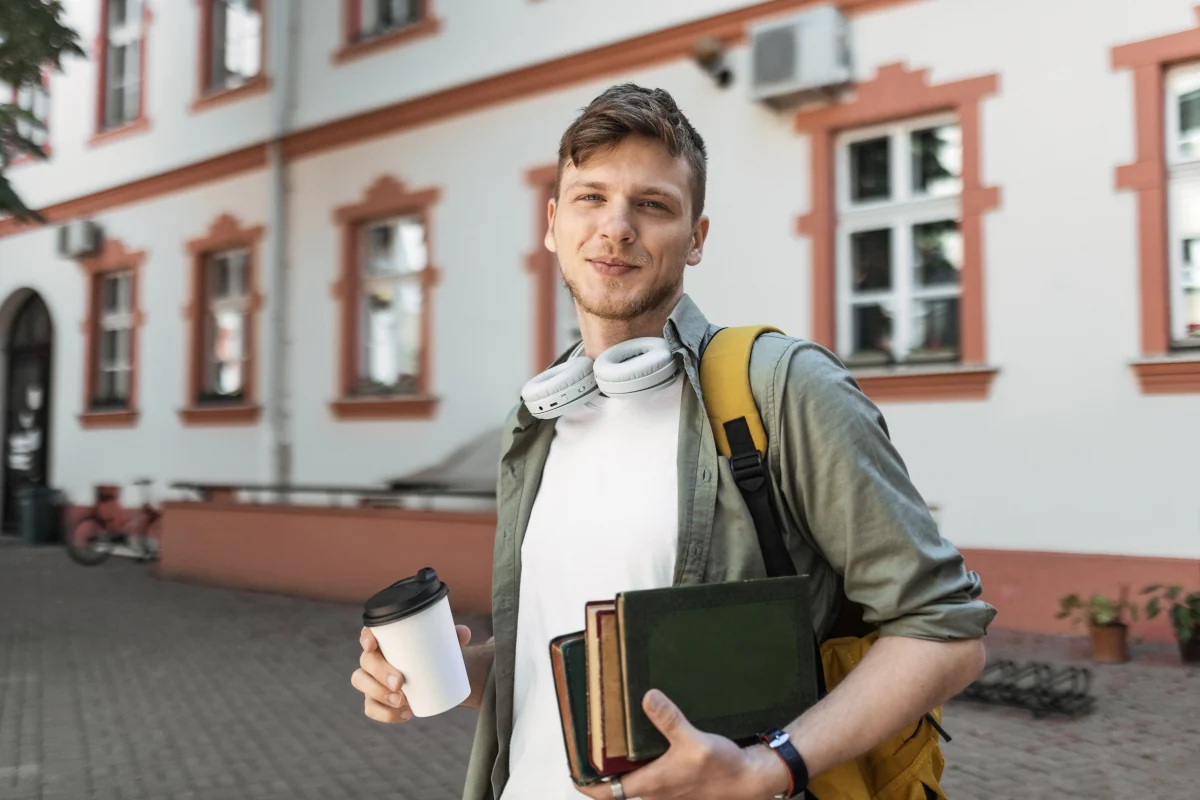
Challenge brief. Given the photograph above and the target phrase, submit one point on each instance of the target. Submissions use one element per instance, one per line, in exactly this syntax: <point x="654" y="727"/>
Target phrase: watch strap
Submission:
<point x="780" y="744"/>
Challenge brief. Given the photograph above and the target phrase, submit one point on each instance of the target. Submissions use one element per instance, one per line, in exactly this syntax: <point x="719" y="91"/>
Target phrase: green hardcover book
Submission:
<point x="737" y="658"/>
<point x="568" y="662"/>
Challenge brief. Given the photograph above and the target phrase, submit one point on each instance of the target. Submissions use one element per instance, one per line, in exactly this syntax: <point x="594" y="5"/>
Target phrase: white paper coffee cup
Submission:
<point x="412" y="622"/>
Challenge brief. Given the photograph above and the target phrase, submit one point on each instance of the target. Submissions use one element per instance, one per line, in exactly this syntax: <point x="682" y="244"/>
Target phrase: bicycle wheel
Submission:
<point x="90" y="543"/>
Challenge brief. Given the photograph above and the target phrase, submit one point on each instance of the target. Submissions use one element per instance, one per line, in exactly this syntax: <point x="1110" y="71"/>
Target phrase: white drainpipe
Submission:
<point x="284" y="22"/>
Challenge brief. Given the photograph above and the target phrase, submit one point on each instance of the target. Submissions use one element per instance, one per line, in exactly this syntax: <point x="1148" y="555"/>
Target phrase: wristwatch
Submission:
<point x="781" y="744"/>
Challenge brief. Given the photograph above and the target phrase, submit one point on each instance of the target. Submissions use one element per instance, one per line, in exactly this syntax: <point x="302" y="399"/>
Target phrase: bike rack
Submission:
<point x="1036" y="686"/>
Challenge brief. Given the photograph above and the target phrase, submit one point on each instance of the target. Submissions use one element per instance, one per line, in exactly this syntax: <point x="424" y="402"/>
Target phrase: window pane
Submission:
<point x="870" y="170"/>
<point x="226" y="343"/>
<point x="937" y="160"/>
<point x="121" y="384"/>
<point x="381" y="336"/>
<point x="396" y="247"/>
<point x="391" y="336"/>
<point x="132" y="77"/>
<point x="937" y="253"/>
<point x="935" y="325"/>
<point x="872" y="329"/>
<point x="108" y="348"/>
<point x="115" y="81"/>
<point x="111" y="294"/>
<point x="237" y="42"/>
<point x="1190" y="282"/>
<point x="381" y="16"/>
<point x="379" y="239"/>
<point x="105" y="385"/>
<point x="123" y="355"/>
<point x="118" y="13"/>
<point x="411" y="297"/>
<point x="1189" y="124"/>
<point x="871" y="260"/>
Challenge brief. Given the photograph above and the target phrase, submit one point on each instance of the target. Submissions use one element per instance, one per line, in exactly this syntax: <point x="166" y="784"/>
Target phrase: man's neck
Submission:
<point x="601" y="334"/>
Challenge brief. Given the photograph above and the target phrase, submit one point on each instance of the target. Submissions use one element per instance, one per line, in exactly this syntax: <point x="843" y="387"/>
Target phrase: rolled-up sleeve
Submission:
<point x="849" y="487"/>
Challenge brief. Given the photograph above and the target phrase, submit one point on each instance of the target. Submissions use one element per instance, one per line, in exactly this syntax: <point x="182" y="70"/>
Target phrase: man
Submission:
<point x="629" y="493"/>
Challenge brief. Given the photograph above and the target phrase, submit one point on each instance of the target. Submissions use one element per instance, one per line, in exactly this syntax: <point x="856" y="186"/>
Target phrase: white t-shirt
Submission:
<point x="605" y="520"/>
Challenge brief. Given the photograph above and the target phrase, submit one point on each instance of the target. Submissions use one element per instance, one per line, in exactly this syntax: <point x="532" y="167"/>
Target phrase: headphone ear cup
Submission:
<point x="635" y="366"/>
<point x="552" y="393"/>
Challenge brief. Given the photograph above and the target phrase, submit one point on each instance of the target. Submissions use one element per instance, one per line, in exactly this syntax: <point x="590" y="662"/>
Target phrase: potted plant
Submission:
<point x="1184" y="613"/>
<point x="1105" y="620"/>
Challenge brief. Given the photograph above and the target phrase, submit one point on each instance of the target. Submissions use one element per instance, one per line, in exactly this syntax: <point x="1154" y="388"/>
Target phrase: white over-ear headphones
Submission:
<point x="633" y="366"/>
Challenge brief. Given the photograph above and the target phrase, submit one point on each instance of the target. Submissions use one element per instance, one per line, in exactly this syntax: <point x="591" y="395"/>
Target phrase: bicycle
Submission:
<point x="97" y="535"/>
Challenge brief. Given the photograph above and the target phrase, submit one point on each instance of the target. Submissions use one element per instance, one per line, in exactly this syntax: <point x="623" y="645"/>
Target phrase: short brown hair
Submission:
<point x="628" y="109"/>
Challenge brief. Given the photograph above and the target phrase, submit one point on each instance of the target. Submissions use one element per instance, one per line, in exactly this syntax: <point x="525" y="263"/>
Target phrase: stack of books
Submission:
<point x="736" y="658"/>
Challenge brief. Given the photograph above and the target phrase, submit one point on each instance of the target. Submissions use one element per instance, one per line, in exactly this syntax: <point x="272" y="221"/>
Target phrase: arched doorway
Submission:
<point x="27" y="403"/>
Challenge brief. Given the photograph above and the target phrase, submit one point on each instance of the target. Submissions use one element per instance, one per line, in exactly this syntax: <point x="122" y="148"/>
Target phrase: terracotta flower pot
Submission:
<point x="1110" y="643"/>
<point x="1189" y="651"/>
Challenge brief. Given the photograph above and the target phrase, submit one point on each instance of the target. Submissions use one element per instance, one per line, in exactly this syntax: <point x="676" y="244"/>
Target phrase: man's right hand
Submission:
<point x="382" y="684"/>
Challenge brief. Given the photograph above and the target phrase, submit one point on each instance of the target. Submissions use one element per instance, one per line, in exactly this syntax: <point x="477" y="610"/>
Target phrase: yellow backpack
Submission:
<point x="909" y="765"/>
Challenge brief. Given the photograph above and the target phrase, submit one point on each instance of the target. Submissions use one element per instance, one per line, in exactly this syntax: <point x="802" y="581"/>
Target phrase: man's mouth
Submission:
<point x="611" y="267"/>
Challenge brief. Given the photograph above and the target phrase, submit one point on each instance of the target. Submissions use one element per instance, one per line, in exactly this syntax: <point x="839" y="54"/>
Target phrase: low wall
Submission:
<point x="341" y="554"/>
<point x="346" y="554"/>
<point x="1025" y="586"/>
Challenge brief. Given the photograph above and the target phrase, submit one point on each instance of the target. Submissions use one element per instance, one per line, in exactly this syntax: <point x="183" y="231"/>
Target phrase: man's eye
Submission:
<point x="656" y="204"/>
<point x="590" y="197"/>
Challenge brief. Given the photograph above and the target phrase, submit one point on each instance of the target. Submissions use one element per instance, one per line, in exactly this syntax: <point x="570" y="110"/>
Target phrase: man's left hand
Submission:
<point x="698" y="765"/>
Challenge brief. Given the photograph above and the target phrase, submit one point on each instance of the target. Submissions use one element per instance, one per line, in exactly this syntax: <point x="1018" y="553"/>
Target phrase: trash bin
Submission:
<point x="39" y="517"/>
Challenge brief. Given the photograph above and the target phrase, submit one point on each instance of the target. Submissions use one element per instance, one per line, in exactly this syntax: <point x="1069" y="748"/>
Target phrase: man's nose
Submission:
<point x="617" y="225"/>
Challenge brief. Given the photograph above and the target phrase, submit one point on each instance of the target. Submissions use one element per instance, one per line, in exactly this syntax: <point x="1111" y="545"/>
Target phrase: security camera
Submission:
<point x="709" y="54"/>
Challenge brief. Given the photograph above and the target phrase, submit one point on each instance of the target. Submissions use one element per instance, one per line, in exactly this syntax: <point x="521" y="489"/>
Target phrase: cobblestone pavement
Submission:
<point x="117" y="684"/>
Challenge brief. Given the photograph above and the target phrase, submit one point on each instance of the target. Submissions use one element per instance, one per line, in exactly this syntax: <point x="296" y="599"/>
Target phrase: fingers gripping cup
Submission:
<point x="412" y="622"/>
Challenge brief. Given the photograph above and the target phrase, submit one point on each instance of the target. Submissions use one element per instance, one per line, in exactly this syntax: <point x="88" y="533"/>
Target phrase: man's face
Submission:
<point x="622" y="229"/>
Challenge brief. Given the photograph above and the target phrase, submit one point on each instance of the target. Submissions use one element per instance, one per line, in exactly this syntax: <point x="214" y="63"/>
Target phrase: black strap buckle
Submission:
<point x="747" y="467"/>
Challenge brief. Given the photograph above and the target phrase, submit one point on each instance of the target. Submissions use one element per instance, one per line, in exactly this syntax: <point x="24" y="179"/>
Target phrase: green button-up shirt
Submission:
<point x="843" y="495"/>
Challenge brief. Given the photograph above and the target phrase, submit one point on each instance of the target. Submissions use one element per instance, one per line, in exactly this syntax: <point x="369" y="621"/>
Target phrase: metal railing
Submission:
<point x="392" y="495"/>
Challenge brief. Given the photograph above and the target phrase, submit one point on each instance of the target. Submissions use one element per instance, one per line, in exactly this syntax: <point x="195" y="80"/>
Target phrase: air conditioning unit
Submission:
<point x="800" y="57"/>
<point x="79" y="239"/>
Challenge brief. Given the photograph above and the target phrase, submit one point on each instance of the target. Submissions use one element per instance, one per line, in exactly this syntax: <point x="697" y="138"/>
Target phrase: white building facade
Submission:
<point x="321" y="255"/>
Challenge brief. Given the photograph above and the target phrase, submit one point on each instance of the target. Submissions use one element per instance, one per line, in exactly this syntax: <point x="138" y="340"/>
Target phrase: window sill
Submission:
<point x="403" y="407"/>
<point x="907" y="384"/>
<point x="139" y="125"/>
<point x="1168" y="375"/>
<point x="26" y="158"/>
<point x="220" y="415"/>
<point x="255" y="86"/>
<point x="350" y="51"/>
<point x="117" y="418"/>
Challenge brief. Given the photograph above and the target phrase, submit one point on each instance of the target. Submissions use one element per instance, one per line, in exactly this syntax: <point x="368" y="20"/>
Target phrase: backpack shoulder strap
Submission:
<point x="740" y="436"/>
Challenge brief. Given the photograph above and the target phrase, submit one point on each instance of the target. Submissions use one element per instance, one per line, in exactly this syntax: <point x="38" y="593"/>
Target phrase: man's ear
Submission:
<point x="699" y="235"/>
<point x="551" y="208"/>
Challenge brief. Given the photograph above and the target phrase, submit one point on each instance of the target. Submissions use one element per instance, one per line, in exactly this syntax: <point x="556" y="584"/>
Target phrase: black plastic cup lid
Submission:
<point x="404" y="598"/>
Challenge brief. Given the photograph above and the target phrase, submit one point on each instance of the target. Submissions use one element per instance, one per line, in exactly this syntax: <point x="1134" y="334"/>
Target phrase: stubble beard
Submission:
<point x="625" y="309"/>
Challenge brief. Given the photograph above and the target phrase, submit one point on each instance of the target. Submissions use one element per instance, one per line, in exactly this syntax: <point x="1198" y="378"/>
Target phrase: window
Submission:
<point x="111" y="334"/>
<point x="392" y="304"/>
<point x="236" y="44"/>
<point x="369" y="26"/>
<point x="221" y="314"/>
<point x="384" y="290"/>
<point x="377" y="17"/>
<point x="115" y="323"/>
<point x="900" y="247"/>
<point x="122" y="39"/>
<point x="225" y="283"/>
<point x="1183" y="164"/>
<point x="34" y="99"/>
<point x="896" y="226"/>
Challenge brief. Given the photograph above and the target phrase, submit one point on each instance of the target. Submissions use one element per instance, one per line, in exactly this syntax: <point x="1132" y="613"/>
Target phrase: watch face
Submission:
<point x="779" y="739"/>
